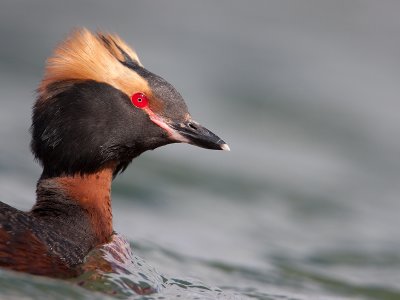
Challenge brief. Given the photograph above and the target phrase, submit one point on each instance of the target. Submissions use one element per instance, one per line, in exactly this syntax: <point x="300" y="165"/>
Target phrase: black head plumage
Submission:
<point x="83" y="118"/>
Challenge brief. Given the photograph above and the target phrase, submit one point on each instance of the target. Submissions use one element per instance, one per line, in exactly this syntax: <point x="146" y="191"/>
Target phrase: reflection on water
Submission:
<point x="305" y="206"/>
<point x="114" y="270"/>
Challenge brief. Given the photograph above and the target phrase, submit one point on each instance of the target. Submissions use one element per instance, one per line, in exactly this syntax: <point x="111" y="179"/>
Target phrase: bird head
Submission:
<point x="98" y="105"/>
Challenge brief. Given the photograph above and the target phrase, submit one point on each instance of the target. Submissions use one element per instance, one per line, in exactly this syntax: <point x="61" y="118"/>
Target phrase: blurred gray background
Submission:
<point x="306" y="93"/>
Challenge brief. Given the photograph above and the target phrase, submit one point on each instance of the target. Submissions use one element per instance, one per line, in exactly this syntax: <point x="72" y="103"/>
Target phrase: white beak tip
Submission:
<point x="225" y="147"/>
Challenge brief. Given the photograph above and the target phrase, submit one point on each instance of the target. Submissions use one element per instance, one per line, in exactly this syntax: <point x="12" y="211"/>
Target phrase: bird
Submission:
<point x="97" y="108"/>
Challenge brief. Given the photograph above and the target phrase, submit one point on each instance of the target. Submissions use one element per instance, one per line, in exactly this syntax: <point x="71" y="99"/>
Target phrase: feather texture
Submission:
<point x="100" y="57"/>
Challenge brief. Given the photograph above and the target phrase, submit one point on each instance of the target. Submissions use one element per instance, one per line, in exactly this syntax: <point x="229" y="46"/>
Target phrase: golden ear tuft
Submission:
<point x="119" y="48"/>
<point x="86" y="56"/>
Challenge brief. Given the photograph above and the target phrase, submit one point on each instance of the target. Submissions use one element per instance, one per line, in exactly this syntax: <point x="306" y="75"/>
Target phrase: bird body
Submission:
<point x="97" y="109"/>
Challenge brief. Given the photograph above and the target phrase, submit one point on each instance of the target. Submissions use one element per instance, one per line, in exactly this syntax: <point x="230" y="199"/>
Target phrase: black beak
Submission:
<point x="195" y="134"/>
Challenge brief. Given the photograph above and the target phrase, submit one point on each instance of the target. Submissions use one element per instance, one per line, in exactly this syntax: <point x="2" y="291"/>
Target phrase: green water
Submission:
<point x="305" y="206"/>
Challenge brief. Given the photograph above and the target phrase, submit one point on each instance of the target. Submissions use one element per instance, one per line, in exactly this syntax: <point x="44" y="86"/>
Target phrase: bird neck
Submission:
<point x="61" y="199"/>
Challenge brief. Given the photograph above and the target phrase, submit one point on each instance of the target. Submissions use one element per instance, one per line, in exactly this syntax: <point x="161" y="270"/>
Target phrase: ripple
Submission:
<point x="114" y="270"/>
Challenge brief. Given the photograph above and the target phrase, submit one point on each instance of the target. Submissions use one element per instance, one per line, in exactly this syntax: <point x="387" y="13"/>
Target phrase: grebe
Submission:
<point x="97" y="109"/>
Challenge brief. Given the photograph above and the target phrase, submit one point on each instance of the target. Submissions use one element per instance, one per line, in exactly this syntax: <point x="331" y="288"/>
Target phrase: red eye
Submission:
<point x="139" y="100"/>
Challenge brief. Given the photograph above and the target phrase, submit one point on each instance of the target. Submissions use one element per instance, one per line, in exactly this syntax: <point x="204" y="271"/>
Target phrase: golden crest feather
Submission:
<point x="87" y="56"/>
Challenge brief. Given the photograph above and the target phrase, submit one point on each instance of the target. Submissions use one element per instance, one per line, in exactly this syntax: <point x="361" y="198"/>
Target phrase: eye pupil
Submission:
<point x="139" y="99"/>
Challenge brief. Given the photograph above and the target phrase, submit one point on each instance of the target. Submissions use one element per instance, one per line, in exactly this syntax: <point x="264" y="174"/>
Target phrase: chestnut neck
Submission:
<point x="60" y="200"/>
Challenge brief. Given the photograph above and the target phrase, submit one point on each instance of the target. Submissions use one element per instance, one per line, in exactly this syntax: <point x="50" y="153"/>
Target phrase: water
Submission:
<point x="305" y="206"/>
